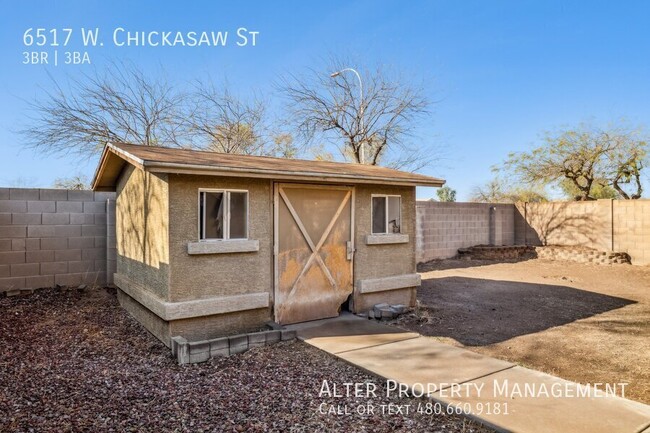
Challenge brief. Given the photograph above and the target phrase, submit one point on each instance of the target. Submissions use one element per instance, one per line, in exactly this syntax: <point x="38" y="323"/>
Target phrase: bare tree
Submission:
<point x="20" y="182"/>
<point x="283" y="146"/>
<point x="78" y="181"/>
<point x="380" y="123"/>
<point x="221" y="122"/>
<point x="121" y="104"/>
<point x="491" y="192"/>
<point x="495" y="191"/>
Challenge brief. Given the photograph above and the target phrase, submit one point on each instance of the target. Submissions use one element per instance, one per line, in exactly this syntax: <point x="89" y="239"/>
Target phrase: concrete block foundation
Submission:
<point x="187" y="352"/>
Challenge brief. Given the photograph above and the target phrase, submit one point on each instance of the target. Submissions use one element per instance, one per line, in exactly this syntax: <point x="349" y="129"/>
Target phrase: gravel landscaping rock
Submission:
<point x="75" y="361"/>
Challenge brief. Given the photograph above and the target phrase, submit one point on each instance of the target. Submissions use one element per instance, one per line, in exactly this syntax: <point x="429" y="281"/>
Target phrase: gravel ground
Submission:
<point x="75" y="361"/>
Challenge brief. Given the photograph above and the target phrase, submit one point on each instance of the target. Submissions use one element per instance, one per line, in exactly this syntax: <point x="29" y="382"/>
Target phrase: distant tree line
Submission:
<point x="583" y="162"/>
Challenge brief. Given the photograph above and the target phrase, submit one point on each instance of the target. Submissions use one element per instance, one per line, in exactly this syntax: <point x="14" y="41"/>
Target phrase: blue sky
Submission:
<point x="501" y="71"/>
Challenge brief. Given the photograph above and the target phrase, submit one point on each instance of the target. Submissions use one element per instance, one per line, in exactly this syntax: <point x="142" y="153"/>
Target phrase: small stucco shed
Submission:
<point x="213" y="244"/>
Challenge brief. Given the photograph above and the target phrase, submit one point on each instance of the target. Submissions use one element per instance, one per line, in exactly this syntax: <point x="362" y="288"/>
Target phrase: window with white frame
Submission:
<point x="386" y="214"/>
<point x="223" y="214"/>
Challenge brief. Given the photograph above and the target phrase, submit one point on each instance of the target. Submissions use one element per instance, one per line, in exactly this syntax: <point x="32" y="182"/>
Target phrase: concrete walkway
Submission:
<point x="417" y="361"/>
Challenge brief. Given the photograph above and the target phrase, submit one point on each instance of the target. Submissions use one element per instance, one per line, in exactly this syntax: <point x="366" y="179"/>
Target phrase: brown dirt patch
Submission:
<point x="584" y="323"/>
<point x="73" y="361"/>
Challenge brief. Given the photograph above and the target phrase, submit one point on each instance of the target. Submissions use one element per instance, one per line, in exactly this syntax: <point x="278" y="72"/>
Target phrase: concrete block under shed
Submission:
<point x="238" y="343"/>
<point x="200" y="351"/>
<point x="288" y="334"/>
<point x="199" y="347"/>
<point x="273" y="336"/>
<point x="180" y="350"/>
<point x="199" y="357"/>
<point x="220" y="347"/>
<point x="386" y="311"/>
<point x="256" y="339"/>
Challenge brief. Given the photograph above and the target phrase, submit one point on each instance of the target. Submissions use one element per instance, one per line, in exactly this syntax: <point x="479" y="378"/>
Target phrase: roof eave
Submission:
<point x="169" y="167"/>
<point x="108" y="149"/>
<point x="183" y="168"/>
<point x="99" y="169"/>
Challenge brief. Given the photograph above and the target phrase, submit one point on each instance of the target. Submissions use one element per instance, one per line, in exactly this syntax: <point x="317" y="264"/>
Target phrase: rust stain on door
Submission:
<point x="314" y="267"/>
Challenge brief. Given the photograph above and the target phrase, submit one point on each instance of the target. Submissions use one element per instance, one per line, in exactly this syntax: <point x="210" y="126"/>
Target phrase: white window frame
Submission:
<point x="226" y="214"/>
<point x="372" y="196"/>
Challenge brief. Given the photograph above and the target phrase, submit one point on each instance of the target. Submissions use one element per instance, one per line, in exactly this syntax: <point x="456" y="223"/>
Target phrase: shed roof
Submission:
<point x="184" y="161"/>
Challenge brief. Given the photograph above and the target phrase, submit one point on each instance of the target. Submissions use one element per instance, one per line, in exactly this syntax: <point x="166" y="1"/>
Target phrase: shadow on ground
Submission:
<point x="445" y="264"/>
<point x="478" y="312"/>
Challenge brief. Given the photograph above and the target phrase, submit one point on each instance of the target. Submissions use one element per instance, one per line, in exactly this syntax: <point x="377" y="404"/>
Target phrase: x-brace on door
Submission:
<point x="313" y="251"/>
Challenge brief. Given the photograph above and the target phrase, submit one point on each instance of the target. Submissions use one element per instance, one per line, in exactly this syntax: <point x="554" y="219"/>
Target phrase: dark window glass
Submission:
<point x="238" y="215"/>
<point x="213" y="212"/>
<point x="379" y="214"/>
<point x="201" y="217"/>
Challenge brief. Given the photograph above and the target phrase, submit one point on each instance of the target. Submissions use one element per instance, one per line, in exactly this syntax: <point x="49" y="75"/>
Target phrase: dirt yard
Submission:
<point x="585" y="323"/>
<point x="75" y="361"/>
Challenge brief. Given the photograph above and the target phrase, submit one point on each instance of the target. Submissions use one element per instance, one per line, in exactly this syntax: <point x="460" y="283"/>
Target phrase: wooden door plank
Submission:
<point x="297" y="219"/>
<point x="314" y="248"/>
<point x="280" y="196"/>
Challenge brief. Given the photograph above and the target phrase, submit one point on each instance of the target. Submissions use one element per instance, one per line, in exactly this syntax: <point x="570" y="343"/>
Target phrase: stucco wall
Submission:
<point x="212" y="275"/>
<point x="154" y="324"/>
<point x="208" y="327"/>
<point x="377" y="261"/>
<point x="142" y="218"/>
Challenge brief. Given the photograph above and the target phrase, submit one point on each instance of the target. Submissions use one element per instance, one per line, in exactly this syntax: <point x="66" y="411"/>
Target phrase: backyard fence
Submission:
<point x="55" y="236"/>
<point x="442" y="228"/>
<point x="608" y="225"/>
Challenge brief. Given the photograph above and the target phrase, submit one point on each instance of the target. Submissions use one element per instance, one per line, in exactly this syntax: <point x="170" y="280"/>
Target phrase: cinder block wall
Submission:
<point x="609" y="225"/>
<point x="587" y="223"/>
<point x="631" y="229"/>
<point x="55" y="236"/>
<point x="606" y="225"/>
<point x="443" y="228"/>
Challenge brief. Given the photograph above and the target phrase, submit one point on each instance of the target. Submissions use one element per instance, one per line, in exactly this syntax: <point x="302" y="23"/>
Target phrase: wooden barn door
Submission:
<point x="313" y="251"/>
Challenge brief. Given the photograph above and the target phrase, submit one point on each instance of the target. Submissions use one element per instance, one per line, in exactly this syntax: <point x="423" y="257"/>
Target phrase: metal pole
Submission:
<point x="362" y="155"/>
